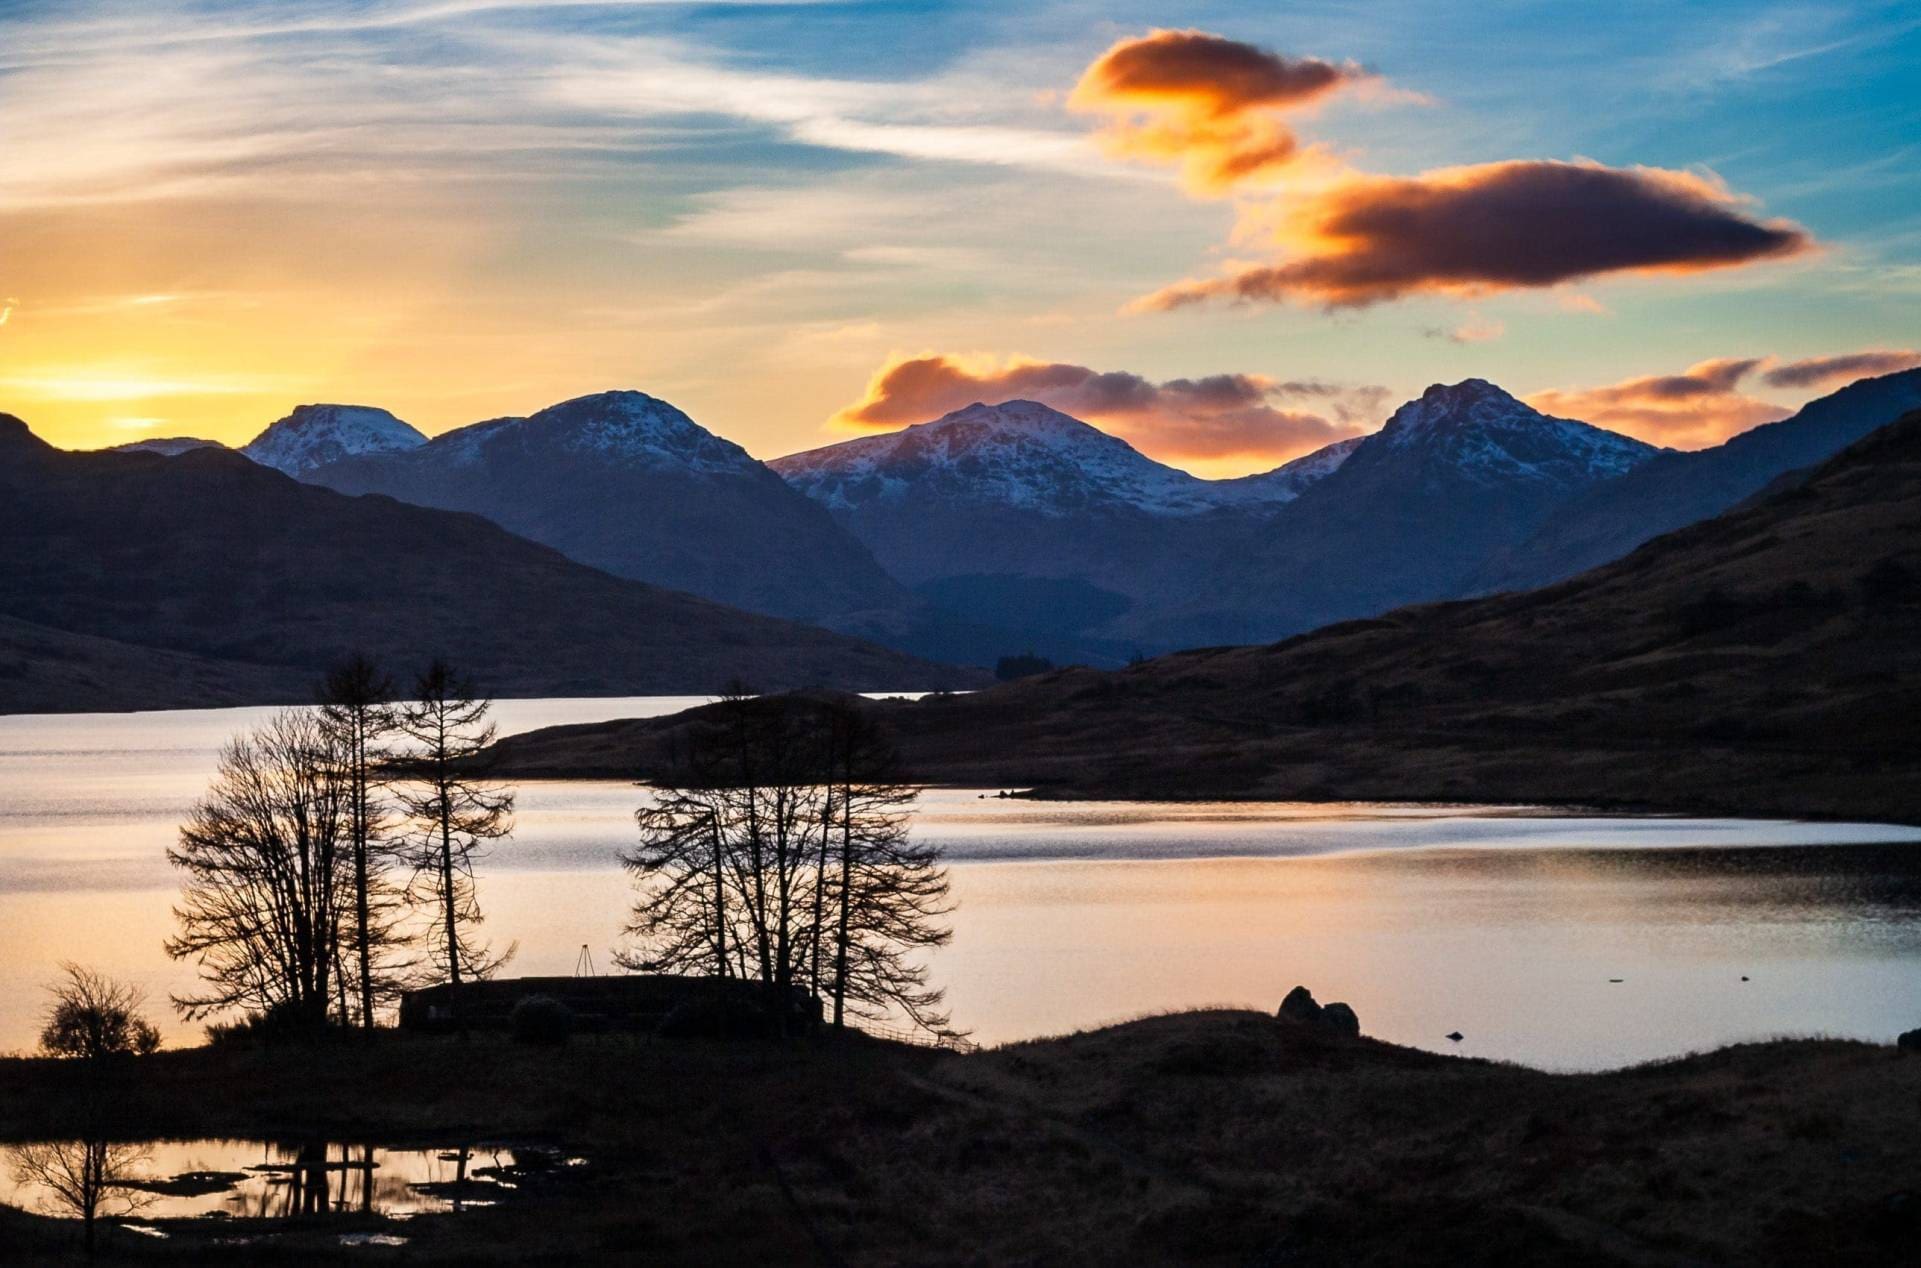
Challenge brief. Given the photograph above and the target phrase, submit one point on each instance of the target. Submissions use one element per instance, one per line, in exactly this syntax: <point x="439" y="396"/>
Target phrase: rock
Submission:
<point x="1300" y="1006"/>
<point x="1910" y="1041"/>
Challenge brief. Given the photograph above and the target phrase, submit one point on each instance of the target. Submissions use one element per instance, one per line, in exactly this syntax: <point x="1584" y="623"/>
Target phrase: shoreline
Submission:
<point x="1210" y="1136"/>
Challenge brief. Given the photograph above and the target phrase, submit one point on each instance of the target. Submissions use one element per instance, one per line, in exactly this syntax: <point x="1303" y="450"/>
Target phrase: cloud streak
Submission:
<point x="1828" y="372"/>
<point x="1471" y="231"/>
<point x="1209" y="104"/>
<point x="1346" y="238"/>
<point x="1699" y="407"/>
<point x="1228" y="423"/>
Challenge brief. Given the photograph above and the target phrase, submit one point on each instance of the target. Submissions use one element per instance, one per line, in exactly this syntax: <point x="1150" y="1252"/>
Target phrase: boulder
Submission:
<point x="1909" y="1042"/>
<point x="1300" y="1006"/>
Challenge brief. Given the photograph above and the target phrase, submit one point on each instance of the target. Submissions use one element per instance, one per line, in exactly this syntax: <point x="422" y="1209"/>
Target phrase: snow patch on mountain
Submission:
<point x="1019" y="454"/>
<point x="1484" y="433"/>
<point x="1288" y="481"/>
<point x="315" y="435"/>
<point x="629" y="429"/>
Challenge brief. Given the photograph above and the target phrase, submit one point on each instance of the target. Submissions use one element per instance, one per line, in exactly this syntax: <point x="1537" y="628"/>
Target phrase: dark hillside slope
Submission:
<point x="1678" y="489"/>
<point x="1767" y="661"/>
<point x="626" y="483"/>
<point x="207" y="555"/>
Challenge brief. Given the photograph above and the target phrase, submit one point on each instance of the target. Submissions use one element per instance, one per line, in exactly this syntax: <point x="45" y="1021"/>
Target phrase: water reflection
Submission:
<point x="256" y="1180"/>
<point x="1505" y="924"/>
<point x="84" y="1180"/>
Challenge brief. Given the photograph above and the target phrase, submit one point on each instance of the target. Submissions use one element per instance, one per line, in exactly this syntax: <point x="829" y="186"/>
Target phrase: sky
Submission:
<point x="1230" y="233"/>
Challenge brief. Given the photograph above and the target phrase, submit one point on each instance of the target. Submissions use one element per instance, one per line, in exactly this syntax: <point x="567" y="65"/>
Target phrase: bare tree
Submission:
<point x="94" y="1017"/>
<point x="451" y="815"/>
<point x="886" y="894"/>
<point x="782" y="855"/>
<point x="82" y="1179"/>
<point x="725" y="861"/>
<point x="356" y="709"/>
<point x="261" y="909"/>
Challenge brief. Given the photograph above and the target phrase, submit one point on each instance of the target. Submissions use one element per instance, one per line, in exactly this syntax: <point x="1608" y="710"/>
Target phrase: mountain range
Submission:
<point x="631" y="485"/>
<point x="144" y="580"/>
<point x="1761" y="661"/>
<point x="1006" y="511"/>
<point x="1012" y="526"/>
<point x="1676" y="489"/>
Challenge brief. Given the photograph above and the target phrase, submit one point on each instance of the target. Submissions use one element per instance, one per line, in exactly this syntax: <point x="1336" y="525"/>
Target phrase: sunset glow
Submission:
<point x="215" y="212"/>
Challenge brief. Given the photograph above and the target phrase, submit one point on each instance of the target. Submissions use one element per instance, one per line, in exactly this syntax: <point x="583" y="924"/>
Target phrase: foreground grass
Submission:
<point x="1222" y="1137"/>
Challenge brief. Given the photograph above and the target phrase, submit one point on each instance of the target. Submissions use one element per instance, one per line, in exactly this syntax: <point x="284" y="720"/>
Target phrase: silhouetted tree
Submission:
<point x="886" y="895"/>
<point x="727" y="858"/>
<point x="782" y="856"/>
<point x="82" y="1179"/>
<point x="94" y="1017"/>
<point x="261" y="910"/>
<point x="451" y="814"/>
<point x="357" y="710"/>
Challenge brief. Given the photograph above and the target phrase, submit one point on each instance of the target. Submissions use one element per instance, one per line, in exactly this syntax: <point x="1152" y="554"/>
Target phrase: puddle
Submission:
<point x="257" y="1180"/>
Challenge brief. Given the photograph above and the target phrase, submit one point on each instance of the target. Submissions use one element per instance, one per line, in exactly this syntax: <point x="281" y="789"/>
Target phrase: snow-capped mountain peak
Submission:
<point x="314" y="435"/>
<point x="1485" y="433"/>
<point x="621" y="429"/>
<point x="1020" y="454"/>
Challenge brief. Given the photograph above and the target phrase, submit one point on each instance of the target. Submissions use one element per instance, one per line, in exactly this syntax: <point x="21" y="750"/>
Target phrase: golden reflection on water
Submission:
<point x="1504" y="925"/>
<point x="243" y="1179"/>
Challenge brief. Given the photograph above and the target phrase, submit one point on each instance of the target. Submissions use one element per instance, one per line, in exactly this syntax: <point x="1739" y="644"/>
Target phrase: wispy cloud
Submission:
<point x="1347" y="238"/>
<point x="137" y="103"/>
<point x="1827" y="372"/>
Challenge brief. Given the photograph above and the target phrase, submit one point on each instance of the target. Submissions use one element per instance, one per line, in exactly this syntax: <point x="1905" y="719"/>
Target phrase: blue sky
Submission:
<point x="460" y="209"/>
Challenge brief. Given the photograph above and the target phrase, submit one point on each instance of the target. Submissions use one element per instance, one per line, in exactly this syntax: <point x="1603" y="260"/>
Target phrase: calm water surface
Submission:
<point x="251" y="1179"/>
<point x="1507" y="925"/>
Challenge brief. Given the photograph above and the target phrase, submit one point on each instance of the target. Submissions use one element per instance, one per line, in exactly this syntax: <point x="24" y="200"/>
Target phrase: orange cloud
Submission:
<point x="1210" y="104"/>
<point x="1692" y="410"/>
<point x="1493" y="227"/>
<point x="1229" y="424"/>
<point x="1826" y="372"/>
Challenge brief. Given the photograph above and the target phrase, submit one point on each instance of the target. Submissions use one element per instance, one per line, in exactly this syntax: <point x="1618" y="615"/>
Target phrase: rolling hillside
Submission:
<point x="204" y="578"/>
<point x="1760" y="662"/>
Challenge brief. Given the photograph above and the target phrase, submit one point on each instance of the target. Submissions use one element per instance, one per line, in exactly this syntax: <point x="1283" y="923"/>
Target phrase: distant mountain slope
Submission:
<point x="1681" y="488"/>
<point x="206" y="555"/>
<point x="1288" y="481"/>
<point x="314" y="435"/>
<point x="1020" y="455"/>
<point x="168" y="445"/>
<point x="1412" y="514"/>
<point x="44" y="670"/>
<point x="989" y="498"/>
<point x="629" y="484"/>
<point x="1019" y="515"/>
<point x="1764" y="662"/>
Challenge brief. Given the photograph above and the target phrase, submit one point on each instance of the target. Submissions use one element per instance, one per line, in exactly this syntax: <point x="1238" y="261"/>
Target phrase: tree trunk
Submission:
<point x="846" y="888"/>
<point x="361" y="827"/>
<point x="447" y="884"/>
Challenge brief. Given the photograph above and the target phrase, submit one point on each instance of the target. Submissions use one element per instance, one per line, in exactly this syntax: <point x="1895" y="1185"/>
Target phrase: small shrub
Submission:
<point x="93" y="1017"/>
<point x="542" y="1020"/>
<point x="283" y="1023"/>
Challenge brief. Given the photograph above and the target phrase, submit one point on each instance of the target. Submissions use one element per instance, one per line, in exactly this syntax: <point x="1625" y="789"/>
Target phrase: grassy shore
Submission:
<point x="1213" y="1137"/>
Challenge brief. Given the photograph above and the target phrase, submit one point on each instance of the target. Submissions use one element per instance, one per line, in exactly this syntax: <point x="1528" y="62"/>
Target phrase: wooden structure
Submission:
<point x="640" y="1002"/>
